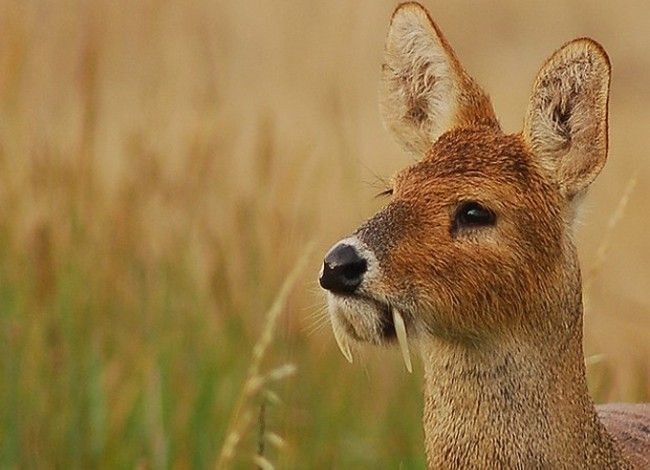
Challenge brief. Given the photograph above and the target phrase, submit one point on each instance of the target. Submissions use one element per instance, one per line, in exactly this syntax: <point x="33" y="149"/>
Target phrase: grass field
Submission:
<point x="165" y="164"/>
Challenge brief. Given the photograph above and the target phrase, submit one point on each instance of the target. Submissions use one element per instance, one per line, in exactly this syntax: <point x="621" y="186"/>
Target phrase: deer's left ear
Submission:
<point x="566" y="122"/>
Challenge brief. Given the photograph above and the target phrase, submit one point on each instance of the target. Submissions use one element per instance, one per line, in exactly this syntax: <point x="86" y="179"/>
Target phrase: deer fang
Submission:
<point x="400" y="330"/>
<point x="342" y="341"/>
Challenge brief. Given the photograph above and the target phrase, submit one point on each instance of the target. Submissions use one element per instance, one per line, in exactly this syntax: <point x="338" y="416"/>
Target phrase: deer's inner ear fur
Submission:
<point x="425" y="91"/>
<point x="566" y="122"/>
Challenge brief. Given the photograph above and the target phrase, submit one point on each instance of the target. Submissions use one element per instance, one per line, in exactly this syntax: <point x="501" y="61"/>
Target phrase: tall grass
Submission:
<point x="162" y="167"/>
<point x="257" y="380"/>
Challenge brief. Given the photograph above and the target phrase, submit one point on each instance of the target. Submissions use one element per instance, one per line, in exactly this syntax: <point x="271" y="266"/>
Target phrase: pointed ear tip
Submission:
<point x="410" y="7"/>
<point x="593" y="48"/>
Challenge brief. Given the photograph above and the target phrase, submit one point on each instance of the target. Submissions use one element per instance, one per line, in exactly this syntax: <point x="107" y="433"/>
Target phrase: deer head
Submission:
<point x="475" y="243"/>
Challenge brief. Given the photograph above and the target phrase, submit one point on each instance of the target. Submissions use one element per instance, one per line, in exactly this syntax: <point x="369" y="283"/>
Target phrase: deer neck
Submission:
<point x="512" y="404"/>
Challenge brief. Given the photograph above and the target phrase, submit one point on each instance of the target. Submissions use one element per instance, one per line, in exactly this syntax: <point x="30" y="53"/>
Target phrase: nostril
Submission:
<point x="343" y="270"/>
<point x="354" y="270"/>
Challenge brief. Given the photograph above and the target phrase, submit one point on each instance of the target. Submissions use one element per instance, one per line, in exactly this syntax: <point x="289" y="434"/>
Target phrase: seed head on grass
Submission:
<point x="256" y="380"/>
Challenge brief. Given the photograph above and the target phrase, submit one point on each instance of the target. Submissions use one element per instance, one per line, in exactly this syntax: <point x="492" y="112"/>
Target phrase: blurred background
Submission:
<point x="163" y="165"/>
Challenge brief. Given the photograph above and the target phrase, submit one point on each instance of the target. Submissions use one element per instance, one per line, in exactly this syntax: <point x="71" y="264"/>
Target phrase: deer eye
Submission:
<point x="473" y="214"/>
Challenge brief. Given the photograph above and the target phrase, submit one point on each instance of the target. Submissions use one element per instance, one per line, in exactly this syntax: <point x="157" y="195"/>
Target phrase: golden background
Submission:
<point x="163" y="166"/>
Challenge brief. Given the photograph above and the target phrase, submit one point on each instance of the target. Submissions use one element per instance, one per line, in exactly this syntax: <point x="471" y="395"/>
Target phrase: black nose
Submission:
<point x="343" y="270"/>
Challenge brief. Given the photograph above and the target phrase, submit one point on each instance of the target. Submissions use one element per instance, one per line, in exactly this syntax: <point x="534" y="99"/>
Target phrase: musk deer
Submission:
<point x="473" y="260"/>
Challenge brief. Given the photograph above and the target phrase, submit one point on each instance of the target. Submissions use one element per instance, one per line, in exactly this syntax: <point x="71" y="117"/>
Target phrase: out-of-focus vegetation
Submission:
<point x="163" y="165"/>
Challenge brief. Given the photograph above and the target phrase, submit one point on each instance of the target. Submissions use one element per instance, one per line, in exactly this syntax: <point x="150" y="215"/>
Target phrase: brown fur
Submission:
<point x="496" y="311"/>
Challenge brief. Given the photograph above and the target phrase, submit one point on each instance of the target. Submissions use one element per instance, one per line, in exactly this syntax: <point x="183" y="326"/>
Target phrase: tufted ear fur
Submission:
<point x="425" y="91"/>
<point x="566" y="122"/>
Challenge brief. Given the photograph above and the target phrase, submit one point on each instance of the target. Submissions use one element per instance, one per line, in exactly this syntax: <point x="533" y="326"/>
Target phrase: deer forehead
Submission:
<point x="477" y="163"/>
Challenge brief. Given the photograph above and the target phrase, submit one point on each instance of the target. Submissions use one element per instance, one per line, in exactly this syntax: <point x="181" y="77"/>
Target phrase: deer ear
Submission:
<point x="425" y="91"/>
<point x="566" y="122"/>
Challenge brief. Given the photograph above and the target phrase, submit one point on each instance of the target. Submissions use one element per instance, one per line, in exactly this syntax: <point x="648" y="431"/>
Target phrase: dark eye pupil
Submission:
<point x="474" y="214"/>
<point x="477" y="215"/>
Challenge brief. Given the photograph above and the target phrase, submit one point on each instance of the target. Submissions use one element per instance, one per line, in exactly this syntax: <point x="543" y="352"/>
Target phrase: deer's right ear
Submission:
<point x="425" y="90"/>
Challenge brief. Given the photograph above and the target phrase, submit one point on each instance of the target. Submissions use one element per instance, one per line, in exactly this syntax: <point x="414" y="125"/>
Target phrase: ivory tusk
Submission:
<point x="342" y="342"/>
<point x="400" y="330"/>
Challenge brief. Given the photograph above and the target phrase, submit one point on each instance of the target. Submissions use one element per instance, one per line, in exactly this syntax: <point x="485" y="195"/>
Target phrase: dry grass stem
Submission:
<point x="255" y="380"/>
<point x="606" y="242"/>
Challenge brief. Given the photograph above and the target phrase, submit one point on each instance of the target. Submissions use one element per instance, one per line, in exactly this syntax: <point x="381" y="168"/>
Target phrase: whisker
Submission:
<point x="316" y="327"/>
<point x="319" y="318"/>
